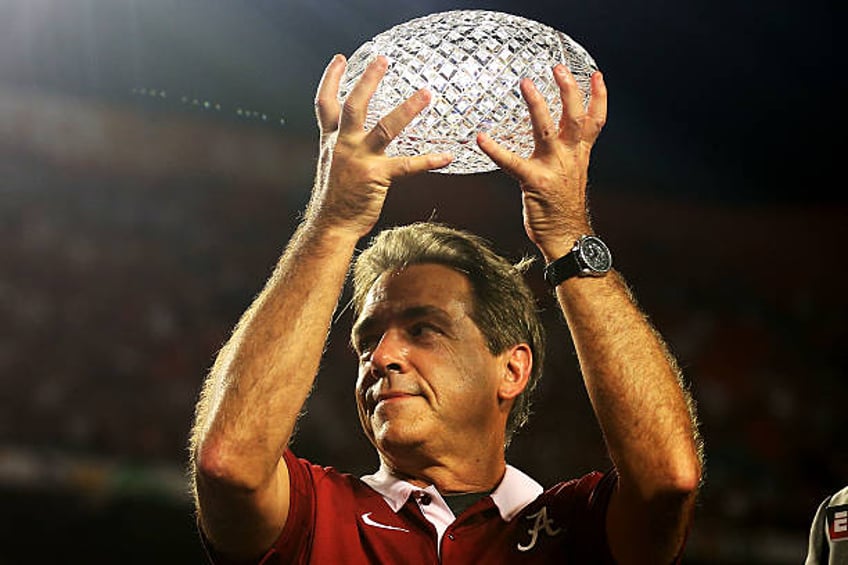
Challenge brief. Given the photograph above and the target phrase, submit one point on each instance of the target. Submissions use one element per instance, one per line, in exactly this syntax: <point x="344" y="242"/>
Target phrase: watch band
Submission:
<point x="559" y="271"/>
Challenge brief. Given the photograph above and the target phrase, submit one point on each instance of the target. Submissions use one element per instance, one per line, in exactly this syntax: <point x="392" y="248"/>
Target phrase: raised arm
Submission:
<point x="633" y="382"/>
<point x="262" y="376"/>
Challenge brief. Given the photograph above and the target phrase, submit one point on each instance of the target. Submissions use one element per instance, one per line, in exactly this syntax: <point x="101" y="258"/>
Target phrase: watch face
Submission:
<point x="596" y="255"/>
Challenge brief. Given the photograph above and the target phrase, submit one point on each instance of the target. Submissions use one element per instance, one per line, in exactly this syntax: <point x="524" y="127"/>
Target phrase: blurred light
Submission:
<point x="205" y="104"/>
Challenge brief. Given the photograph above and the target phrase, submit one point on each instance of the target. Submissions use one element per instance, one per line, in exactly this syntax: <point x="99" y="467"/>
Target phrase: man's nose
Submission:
<point x="389" y="355"/>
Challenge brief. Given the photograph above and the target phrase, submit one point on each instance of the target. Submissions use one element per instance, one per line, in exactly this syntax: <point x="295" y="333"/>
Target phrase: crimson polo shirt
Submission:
<point x="336" y="518"/>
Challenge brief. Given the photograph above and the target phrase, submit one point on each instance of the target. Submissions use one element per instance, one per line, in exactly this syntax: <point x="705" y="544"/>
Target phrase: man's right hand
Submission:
<point x="354" y="174"/>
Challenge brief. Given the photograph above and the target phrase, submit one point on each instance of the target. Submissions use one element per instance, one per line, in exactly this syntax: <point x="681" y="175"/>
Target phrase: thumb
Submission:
<point x="327" y="109"/>
<point x="503" y="158"/>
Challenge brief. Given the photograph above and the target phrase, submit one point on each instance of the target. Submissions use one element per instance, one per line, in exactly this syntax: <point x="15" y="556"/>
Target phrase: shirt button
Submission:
<point x="423" y="498"/>
<point x="451" y="537"/>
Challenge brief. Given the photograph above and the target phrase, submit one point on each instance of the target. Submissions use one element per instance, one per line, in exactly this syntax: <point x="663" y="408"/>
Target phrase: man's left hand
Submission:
<point x="553" y="178"/>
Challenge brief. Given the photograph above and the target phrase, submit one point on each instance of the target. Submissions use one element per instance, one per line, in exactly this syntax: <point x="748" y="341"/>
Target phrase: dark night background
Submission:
<point x="154" y="156"/>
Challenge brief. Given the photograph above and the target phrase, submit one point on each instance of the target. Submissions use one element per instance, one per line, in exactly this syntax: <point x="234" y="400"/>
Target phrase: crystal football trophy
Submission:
<point x="472" y="62"/>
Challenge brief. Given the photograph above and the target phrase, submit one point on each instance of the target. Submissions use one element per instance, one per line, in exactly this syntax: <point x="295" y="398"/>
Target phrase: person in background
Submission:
<point x="829" y="531"/>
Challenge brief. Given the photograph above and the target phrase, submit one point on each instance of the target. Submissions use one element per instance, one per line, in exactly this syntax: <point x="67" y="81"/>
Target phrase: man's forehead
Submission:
<point x="426" y="282"/>
<point x="418" y="290"/>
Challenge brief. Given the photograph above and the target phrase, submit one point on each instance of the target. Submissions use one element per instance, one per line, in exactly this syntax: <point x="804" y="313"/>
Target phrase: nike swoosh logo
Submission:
<point x="367" y="519"/>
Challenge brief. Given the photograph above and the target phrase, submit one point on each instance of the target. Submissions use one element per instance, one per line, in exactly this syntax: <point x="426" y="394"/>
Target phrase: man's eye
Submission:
<point x="419" y="330"/>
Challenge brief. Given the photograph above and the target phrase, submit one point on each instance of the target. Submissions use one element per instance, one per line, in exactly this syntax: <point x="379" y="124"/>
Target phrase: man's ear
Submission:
<point x="517" y="367"/>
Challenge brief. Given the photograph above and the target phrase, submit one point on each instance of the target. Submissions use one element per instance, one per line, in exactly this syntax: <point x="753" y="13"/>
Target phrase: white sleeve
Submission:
<point x="816" y="550"/>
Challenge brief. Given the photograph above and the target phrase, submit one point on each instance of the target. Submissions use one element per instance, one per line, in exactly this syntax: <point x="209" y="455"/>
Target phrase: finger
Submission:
<point x="544" y="129"/>
<point x="406" y="166"/>
<point x="355" y="108"/>
<point x="597" y="110"/>
<point x="503" y="158"/>
<point x="572" y="103"/>
<point x="393" y="123"/>
<point x="327" y="96"/>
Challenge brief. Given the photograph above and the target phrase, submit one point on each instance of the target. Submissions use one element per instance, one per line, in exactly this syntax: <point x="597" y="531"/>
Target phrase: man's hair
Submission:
<point x="504" y="308"/>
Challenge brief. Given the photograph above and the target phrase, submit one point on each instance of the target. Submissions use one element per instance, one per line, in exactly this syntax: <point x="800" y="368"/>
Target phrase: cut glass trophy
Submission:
<point x="471" y="61"/>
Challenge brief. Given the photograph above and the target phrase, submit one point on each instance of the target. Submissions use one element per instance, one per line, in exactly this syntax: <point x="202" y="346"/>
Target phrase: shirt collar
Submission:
<point x="515" y="491"/>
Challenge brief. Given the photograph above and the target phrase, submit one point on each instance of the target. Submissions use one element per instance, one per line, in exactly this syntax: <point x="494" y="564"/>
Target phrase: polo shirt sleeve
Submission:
<point x="592" y="493"/>
<point x="295" y="540"/>
<point x="583" y="505"/>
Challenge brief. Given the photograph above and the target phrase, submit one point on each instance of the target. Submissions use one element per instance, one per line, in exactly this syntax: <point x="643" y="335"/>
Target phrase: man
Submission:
<point x="440" y="385"/>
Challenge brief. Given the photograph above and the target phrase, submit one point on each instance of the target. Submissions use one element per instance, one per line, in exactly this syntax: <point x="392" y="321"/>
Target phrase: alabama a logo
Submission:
<point x="541" y="523"/>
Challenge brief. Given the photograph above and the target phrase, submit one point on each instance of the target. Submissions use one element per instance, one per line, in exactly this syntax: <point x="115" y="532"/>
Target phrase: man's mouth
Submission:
<point x="391" y="397"/>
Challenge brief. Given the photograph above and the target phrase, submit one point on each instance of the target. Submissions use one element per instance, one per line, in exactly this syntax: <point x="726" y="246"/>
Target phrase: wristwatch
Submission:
<point x="590" y="257"/>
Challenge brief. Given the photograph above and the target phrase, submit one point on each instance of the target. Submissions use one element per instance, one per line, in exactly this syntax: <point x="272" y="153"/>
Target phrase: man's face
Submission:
<point x="427" y="380"/>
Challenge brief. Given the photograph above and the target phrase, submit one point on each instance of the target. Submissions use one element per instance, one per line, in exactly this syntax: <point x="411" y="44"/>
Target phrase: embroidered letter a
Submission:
<point x="541" y="522"/>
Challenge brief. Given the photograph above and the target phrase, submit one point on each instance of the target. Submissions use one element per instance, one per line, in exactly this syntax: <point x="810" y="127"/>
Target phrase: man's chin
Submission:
<point x="393" y="437"/>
